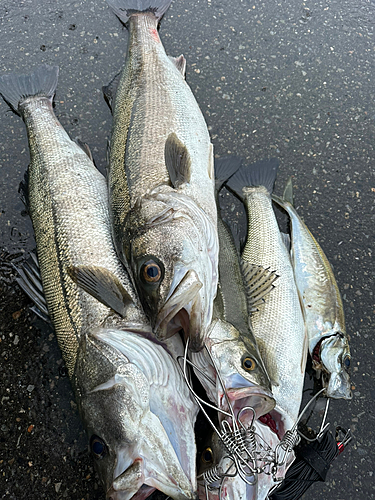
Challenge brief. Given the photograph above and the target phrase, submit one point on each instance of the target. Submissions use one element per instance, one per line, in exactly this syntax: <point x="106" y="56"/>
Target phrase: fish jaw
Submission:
<point x="156" y="466"/>
<point x="334" y="353"/>
<point x="142" y="478"/>
<point x="339" y="385"/>
<point x="183" y="296"/>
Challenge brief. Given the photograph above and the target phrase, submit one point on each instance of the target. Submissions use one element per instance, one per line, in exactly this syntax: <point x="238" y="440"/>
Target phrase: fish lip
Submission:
<point x="258" y="398"/>
<point x="119" y="490"/>
<point x="144" y="492"/>
<point x="184" y="295"/>
<point x="339" y="386"/>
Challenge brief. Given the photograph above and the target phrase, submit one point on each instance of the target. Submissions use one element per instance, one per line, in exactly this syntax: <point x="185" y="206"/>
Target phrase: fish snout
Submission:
<point x="182" y="307"/>
<point x="339" y="386"/>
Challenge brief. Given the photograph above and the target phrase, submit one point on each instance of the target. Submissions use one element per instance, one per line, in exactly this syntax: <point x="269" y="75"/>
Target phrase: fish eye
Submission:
<point x="207" y="456"/>
<point x="248" y="364"/>
<point x="98" y="447"/>
<point x="151" y="272"/>
<point x="347" y="361"/>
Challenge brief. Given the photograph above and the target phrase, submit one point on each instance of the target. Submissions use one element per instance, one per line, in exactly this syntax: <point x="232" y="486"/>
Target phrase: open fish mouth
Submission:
<point x="138" y="481"/>
<point x="183" y="309"/>
<point x="277" y="422"/>
<point x="252" y="397"/>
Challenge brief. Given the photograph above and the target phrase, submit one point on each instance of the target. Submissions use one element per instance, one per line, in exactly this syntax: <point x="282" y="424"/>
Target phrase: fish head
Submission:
<point x="173" y="269"/>
<point x="213" y="457"/>
<point x="335" y="358"/>
<point x="131" y="450"/>
<point x="243" y="379"/>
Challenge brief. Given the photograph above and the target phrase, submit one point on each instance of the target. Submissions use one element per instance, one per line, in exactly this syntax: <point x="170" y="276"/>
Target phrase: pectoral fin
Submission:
<point x="259" y="282"/>
<point x="177" y="161"/>
<point x="286" y="240"/>
<point x="288" y="192"/>
<point x="86" y="148"/>
<point x="103" y="285"/>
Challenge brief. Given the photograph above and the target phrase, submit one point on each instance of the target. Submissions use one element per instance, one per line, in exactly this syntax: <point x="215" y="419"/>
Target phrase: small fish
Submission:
<point x="322" y="304"/>
<point x="230" y="340"/>
<point x="161" y="181"/>
<point x="129" y="403"/>
<point x="277" y="319"/>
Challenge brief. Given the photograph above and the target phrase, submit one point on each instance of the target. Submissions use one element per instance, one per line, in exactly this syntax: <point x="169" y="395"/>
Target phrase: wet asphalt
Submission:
<point x="290" y="79"/>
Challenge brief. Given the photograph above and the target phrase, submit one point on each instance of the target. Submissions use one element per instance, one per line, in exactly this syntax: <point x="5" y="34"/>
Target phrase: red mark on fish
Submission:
<point x="155" y="35"/>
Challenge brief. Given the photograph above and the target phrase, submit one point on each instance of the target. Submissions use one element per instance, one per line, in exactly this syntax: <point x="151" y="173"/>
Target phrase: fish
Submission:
<point x="161" y="181"/>
<point x="231" y="358"/>
<point x="133" y="391"/>
<point x="322" y="304"/>
<point x="277" y="320"/>
<point x="129" y="404"/>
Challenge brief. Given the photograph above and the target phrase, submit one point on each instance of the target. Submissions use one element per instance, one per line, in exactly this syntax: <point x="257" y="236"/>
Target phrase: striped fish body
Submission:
<point x="160" y="214"/>
<point x="278" y="323"/>
<point x="152" y="101"/>
<point x="69" y="210"/>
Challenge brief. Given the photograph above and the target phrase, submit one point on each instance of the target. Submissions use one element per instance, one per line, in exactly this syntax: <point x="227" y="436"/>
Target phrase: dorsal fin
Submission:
<point x="259" y="282"/>
<point x="109" y="91"/>
<point x="177" y="161"/>
<point x="180" y="63"/>
<point x="85" y="148"/>
<point x="23" y="190"/>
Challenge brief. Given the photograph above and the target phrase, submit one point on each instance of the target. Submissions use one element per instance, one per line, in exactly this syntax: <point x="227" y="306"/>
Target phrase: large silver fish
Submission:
<point x="232" y="358"/>
<point x="161" y="181"/>
<point x="132" y="408"/>
<point x="277" y="322"/>
<point x="323" y="308"/>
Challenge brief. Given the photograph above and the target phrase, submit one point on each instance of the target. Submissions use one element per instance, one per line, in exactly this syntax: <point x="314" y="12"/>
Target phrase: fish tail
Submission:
<point x="125" y="8"/>
<point x="261" y="173"/>
<point x="16" y="88"/>
<point x="224" y="168"/>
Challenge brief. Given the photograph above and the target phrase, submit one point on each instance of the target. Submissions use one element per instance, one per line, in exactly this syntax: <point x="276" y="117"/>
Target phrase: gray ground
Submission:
<point x="290" y="79"/>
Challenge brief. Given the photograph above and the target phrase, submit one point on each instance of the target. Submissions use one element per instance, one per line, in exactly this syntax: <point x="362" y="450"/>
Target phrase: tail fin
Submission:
<point x="125" y="8"/>
<point x="224" y="168"/>
<point x="261" y="173"/>
<point x="15" y="88"/>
